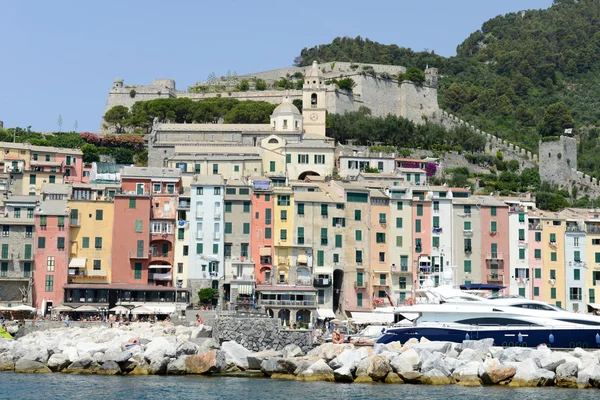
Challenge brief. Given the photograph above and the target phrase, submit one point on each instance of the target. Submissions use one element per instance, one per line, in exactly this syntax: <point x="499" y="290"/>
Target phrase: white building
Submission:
<point x="206" y="244"/>
<point x="441" y="229"/>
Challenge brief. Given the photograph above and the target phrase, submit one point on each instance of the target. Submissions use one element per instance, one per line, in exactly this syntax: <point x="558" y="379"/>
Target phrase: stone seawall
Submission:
<point x="258" y="334"/>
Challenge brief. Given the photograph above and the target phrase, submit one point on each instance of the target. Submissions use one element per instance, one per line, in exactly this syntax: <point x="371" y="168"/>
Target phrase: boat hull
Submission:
<point x="506" y="337"/>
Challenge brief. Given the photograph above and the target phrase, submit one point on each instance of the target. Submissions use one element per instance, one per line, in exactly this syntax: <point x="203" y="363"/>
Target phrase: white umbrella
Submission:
<point x="141" y="310"/>
<point x="62" y="308"/>
<point x="23" y="307"/>
<point x="86" y="309"/>
<point x="120" y="310"/>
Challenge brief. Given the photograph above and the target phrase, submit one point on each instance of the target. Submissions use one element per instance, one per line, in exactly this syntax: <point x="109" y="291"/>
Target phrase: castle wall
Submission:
<point x="557" y="158"/>
<point x="418" y="102"/>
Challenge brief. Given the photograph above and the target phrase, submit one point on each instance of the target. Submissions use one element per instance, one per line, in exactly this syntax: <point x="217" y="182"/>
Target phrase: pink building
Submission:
<point x="72" y="164"/>
<point x="51" y="257"/>
<point x="422" y="225"/>
<point x="261" y="238"/>
<point x="494" y="241"/>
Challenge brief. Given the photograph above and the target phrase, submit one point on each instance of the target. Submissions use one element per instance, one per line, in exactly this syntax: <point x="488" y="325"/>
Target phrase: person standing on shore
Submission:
<point x="67" y="320"/>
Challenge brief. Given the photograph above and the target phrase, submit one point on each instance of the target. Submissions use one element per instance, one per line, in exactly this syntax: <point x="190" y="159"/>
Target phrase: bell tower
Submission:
<point x="313" y="101"/>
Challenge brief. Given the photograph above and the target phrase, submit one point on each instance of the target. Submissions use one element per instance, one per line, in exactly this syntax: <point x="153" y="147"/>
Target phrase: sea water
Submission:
<point x="63" y="386"/>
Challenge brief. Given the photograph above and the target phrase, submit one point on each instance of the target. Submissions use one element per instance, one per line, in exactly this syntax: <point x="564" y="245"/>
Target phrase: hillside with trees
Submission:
<point x="522" y="76"/>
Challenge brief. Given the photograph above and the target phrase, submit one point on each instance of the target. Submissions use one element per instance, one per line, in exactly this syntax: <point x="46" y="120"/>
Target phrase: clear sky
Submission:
<point x="61" y="57"/>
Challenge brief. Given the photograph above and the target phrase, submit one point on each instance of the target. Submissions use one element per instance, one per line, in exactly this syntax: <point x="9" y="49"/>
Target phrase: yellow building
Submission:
<point x="553" y="258"/>
<point x="91" y="233"/>
<point x="283" y="217"/>
<point x="592" y="259"/>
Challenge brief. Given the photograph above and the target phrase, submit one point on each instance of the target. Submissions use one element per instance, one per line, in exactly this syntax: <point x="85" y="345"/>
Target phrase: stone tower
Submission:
<point x="558" y="160"/>
<point x="118" y="83"/>
<point x="313" y="101"/>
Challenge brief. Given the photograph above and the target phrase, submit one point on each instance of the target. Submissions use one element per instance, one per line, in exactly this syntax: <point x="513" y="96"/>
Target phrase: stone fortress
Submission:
<point x="376" y="87"/>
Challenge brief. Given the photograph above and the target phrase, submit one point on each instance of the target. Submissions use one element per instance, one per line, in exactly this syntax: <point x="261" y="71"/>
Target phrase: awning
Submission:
<point x="372" y="318"/>
<point x="141" y="310"/>
<point x="77" y="262"/>
<point x="381" y="272"/>
<point x="62" y="308"/>
<point x="595" y="306"/>
<point x="23" y="307"/>
<point x="245" y="288"/>
<point x="86" y="309"/>
<point x="323" y="313"/>
<point x="158" y="266"/>
<point x="265" y="251"/>
<point x="302" y="259"/>
<point x="163" y="309"/>
<point x="424" y="259"/>
<point x="120" y="310"/>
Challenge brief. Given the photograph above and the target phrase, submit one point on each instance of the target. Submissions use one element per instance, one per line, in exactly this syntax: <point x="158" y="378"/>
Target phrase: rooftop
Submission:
<point x="208" y="180"/>
<point x="22" y="199"/>
<point x="214" y="128"/>
<point x="150" y="172"/>
<point x="41" y="149"/>
<point x="56" y="188"/>
<point x="52" y="207"/>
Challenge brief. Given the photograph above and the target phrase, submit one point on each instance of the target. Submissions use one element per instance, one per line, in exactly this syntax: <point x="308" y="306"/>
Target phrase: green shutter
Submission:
<point x="417" y="225"/>
<point x="288" y="158"/>
<point x="320" y="258"/>
<point x="538" y="273"/>
<point x="132" y="203"/>
<point x="398" y="241"/>
<point x="358" y="235"/>
<point x="576" y="274"/>
<point x="246" y="228"/>
<point x="435" y="241"/>
<point x="138" y="270"/>
<point x="493" y="211"/>
<point x="227" y="206"/>
<point x="538" y="236"/>
<point x="420" y="210"/>
<point x="494" y="226"/>
<point x="553" y="256"/>
<point x="467" y="265"/>
<point x="300" y="208"/>
<point x="398" y="222"/>
<point x="436" y="222"/>
<point x="271" y="166"/>
<point x="138" y="225"/>
<point x="521" y="254"/>
<point x="338" y="240"/>
<point x="553" y="237"/>
<point x="180" y="233"/>
<point x="85" y="243"/>
<point x="228" y="227"/>
<point x="41" y="242"/>
<point x="199" y="248"/>
<point x="467" y="225"/>
<point x="553" y="293"/>
<point x="536" y="291"/>
<point x="537" y="254"/>
<point x="268" y="233"/>
<point x="357" y="215"/>
<point x="215" y="248"/>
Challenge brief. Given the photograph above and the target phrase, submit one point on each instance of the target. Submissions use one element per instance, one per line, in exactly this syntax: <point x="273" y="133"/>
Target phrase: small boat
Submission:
<point x="5" y="334"/>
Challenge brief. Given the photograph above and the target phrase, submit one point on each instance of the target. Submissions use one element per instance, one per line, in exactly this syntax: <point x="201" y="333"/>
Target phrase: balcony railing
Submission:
<point x="76" y="272"/>
<point x="494" y="256"/>
<point x="495" y="277"/>
<point x="159" y="254"/>
<point x="575" y="228"/>
<point x="159" y="277"/>
<point x="74" y="222"/>
<point x="96" y="273"/>
<point x="304" y="282"/>
<point x="289" y="303"/>
<point x="361" y="285"/>
<point x="402" y="269"/>
<point x="142" y="255"/>
<point x="244" y="277"/>
<point x="322" y="282"/>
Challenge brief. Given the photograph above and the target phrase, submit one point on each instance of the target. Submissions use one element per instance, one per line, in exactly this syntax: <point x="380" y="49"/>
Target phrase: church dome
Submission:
<point x="313" y="72"/>
<point x="286" y="106"/>
<point x="118" y="80"/>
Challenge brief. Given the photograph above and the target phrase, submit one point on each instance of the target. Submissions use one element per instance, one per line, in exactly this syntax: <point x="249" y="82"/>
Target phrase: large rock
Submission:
<point x="411" y="356"/>
<point x="211" y="362"/>
<point x="207" y="345"/>
<point x="590" y="376"/>
<point x="436" y="361"/>
<point x="122" y="357"/>
<point x="400" y="364"/>
<point x="468" y="374"/>
<point x="319" y="371"/>
<point x="470" y="355"/>
<point x="362" y="370"/>
<point x="83" y="365"/>
<point x="91" y="348"/>
<point x="343" y="375"/>
<point x="187" y="349"/>
<point x="393" y="377"/>
<point x="177" y="366"/>
<point x="159" y="366"/>
<point x="110" y="367"/>
<point x="349" y="358"/>
<point x="158" y="349"/>
<point x="552" y="360"/>
<point x="566" y="375"/>
<point x="329" y="351"/>
<point x="255" y="359"/>
<point x="379" y="367"/>
<point x="411" y="376"/>
<point x="482" y="345"/>
<point x="31" y="367"/>
<point x="301" y="363"/>
<point x="58" y="362"/>
<point x="498" y="374"/>
<point x="292" y="350"/>
<point x="6" y="362"/>
<point x="202" y="331"/>
<point x="436" y="377"/>
<point x="236" y="354"/>
<point x="547" y="378"/>
<point x="527" y="374"/>
<point x="433" y="347"/>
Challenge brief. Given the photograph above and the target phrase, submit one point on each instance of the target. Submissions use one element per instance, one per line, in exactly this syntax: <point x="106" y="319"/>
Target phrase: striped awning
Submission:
<point x="245" y="288"/>
<point x="77" y="262"/>
<point x="302" y="259"/>
<point x="265" y="251"/>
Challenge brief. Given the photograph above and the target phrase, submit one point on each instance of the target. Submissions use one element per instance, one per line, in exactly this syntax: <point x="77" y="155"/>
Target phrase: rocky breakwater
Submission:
<point x="471" y="363"/>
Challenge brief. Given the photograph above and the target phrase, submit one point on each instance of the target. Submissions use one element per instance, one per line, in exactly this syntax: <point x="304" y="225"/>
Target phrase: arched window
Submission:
<point x="313" y="100"/>
<point x="274" y="141"/>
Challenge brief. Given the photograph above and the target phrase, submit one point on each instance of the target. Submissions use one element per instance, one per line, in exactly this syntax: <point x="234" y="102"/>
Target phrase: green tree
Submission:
<point x="90" y="153"/>
<point x="206" y="295"/>
<point x="123" y="155"/>
<point x="243" y="86"/>
<point x="118" y="117"/>
<point x="558" y="118"/>
<point x="260" y="84"/>
<point x="141" y="159"/>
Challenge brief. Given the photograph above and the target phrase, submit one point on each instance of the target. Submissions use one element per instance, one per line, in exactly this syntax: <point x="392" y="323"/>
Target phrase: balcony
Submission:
<point x="288" y="303"/>
<point x="403" y="269"/>
<point x="159" y="276"/>
<point x="97" y="273"/>
<point x="183" y="205"/>
<point x="217" y="215"/>
<point x="437" y="230"/>
<point x="73" y="272"/>
<point x="553" y="244"/>
<point x="141" y="255"/>
<point x="361" y="285"/>
<point x="535" y="227"/>
<point x="522" y="243"/>
<point x="74" y="222"/>
<point x="245" y="277"/>
<point x="494" y="256"/>
<point x="380" y="283"/>
<point x="304" y="282"/>
<point x="575" y="228"/>
<point x="468" y="232"/>
<point x="322" y="282"/>
<point x="495" y="277"/>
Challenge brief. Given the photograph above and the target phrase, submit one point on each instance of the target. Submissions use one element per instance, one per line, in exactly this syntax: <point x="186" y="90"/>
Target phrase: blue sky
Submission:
<point x="60" y="57"/>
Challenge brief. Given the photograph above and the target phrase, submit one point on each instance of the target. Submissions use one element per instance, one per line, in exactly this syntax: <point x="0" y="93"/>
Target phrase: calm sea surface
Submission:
<point x="62" y="386"/>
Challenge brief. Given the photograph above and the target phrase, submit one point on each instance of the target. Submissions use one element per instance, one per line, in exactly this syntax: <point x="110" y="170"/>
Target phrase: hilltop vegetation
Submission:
<point x="522" y="76"/>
